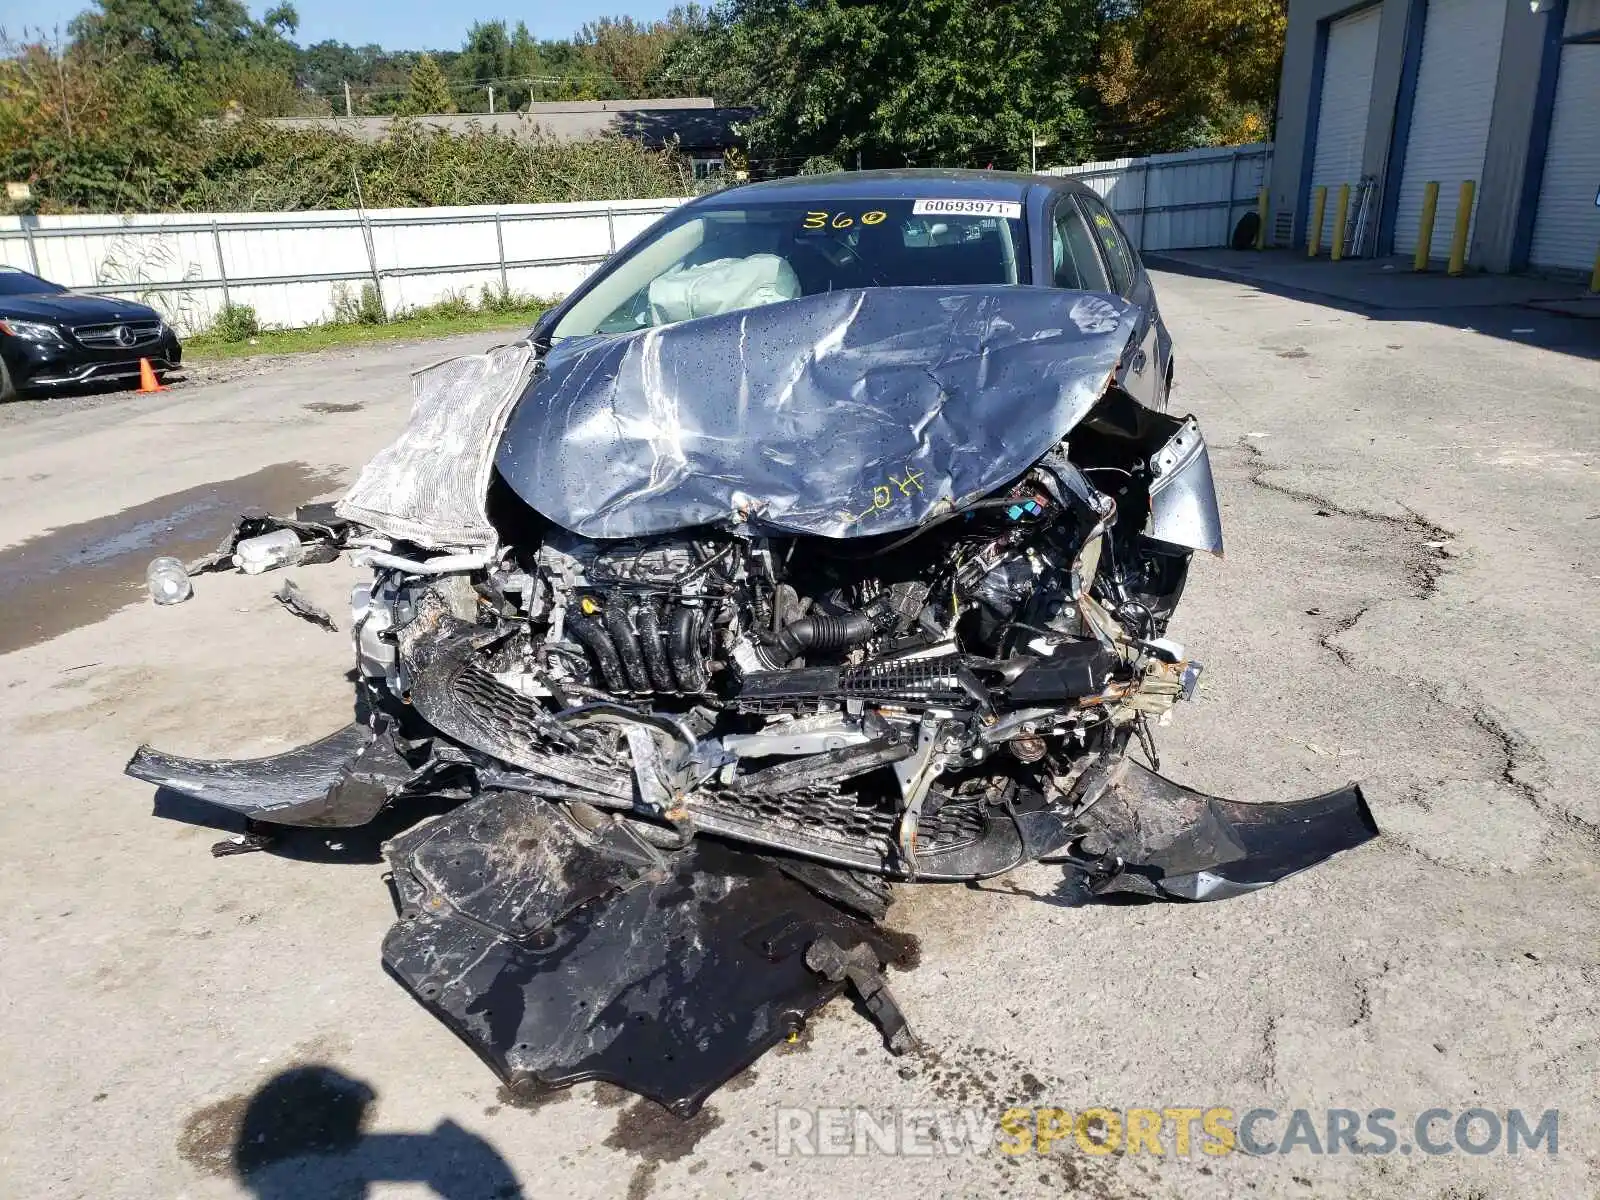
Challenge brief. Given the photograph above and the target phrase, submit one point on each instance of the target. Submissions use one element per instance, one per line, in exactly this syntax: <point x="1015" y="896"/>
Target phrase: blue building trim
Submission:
<point x="1308" y="155"/>
<point x="1544" y="106"/>
<point x="1405" y="101"/>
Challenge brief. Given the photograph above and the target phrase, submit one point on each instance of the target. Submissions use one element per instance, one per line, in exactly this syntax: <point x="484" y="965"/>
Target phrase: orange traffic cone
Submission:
<point x="147" y="377"/>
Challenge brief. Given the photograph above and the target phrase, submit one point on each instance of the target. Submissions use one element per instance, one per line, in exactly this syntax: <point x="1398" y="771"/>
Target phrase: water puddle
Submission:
<point x="80" y="574"/>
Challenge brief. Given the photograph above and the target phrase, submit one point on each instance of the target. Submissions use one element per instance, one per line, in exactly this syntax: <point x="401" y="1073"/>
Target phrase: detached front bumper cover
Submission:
<point x="1151" y="837"/>
<point x="341" y="781"/>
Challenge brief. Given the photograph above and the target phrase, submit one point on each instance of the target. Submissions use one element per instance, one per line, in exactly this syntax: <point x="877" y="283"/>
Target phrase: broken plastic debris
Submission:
<point x="241" y="843"/>
<point x="861" y="968"/>
<point x="276" y="549"/>
<point x="167" y="580"/>
<point x="320" y="532"/>
<point x="301" y="605"/>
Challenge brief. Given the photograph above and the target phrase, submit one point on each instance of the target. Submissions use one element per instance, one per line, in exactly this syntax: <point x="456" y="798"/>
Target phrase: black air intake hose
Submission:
<point x="655" y="658"/>
<point x="622" y="636"/>
<point x="823" y="633"/>
<point x="588" y="631"/>
<point x="684" y="649"/>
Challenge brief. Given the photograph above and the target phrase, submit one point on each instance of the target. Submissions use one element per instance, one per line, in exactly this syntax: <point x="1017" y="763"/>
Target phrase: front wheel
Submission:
<point x="7" y="391"/>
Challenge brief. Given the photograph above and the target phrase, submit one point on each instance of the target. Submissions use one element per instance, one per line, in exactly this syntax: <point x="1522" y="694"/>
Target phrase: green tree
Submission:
<point x="328" y="66"/>
<point x="1180" y="73"/>
<point x="492" y="57"/>
<point x="196" y="33"/>
<point x="628" y="55"/>
<point x="429" y="91"/>
<point x="924" y="82"/>
<point x="92" y="128"/>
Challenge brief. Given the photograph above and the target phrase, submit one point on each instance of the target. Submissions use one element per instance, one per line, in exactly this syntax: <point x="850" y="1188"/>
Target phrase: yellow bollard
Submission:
<point x="1261" y="211"/>
<point x="1319" y="205"/>
<point x="1336" y="251"/>
<point x="1458" y="243"/>
<point x="1594" y="280"/>
<point x="1430" y="205"/>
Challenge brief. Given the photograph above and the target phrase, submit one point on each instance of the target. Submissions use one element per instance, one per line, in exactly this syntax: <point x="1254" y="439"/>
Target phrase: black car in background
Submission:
<point x="53" y="338"/>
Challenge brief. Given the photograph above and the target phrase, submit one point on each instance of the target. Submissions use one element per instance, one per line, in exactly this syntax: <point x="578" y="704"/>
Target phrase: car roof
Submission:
<point x="944" y="183"/>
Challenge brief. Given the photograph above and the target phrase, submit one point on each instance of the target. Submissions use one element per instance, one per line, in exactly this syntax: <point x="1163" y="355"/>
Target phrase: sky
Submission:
<point x="393" y="24"/>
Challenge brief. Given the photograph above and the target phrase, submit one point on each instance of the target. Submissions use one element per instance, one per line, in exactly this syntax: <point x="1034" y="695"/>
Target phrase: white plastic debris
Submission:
<point x="279" y="548"/>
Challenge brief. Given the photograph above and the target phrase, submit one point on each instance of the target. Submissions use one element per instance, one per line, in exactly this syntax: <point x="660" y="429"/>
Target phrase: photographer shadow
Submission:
<point x="303" y="1136"/>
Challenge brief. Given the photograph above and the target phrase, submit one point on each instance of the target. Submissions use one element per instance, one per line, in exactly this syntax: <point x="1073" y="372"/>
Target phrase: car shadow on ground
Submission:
<point x="1071" y="892"/>
<point x="303" y="1135"/>
<point x="357" y="847"/>
<point x="1391" y="299"/>
<point x="95" y="387"/>
<point x="361" y="845"/>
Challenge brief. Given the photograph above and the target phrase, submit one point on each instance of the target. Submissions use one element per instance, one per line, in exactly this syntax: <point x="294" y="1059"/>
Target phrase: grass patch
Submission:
<point x="436" y="321"/>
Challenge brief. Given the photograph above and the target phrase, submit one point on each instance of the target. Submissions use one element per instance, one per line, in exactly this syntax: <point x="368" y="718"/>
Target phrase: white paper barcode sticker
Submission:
<point x="967" y="208"/>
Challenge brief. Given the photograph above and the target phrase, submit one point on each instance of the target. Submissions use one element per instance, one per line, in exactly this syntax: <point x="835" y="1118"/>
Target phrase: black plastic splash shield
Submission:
<point x="1177" y="843"/>
<point x="562" y="955"/>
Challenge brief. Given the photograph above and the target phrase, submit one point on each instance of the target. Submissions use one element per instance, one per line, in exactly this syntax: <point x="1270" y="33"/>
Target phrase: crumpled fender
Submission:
<point x="1183" y="496"/>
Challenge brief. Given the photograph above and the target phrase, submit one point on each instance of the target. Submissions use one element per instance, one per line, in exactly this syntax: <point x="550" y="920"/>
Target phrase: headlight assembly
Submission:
<point x="33" y="331"/>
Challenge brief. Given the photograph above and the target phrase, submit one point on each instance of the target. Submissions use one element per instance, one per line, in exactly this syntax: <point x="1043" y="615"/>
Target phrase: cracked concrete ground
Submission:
<point x="1408" y="598"/>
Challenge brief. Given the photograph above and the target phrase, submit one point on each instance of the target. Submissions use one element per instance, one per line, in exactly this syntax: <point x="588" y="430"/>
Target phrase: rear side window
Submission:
<point x="1072" y="252"/>
<point x="1118" y="254"/>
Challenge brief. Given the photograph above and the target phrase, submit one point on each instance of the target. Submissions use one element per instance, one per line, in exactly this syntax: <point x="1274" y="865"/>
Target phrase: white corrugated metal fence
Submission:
<point x="291" y="266"/>
<point x="1179" y="201"/>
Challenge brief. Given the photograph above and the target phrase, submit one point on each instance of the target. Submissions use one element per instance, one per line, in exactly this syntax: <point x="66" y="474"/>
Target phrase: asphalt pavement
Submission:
<point x="1412" y="513"/>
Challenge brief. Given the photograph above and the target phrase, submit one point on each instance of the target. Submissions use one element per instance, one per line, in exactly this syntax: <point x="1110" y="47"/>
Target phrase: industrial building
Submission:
<point x="1392" y="95"/>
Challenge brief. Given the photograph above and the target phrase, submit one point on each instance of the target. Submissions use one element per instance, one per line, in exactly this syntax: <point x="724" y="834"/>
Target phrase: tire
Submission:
<point x="7" y="392"/>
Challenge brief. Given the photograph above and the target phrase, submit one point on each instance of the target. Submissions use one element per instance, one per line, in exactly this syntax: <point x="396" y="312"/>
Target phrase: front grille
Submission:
<point x="845" y="817"/>
<point x="517" y="718"/>
<point x="120" y="335"/>
<point x="467" y="703"/>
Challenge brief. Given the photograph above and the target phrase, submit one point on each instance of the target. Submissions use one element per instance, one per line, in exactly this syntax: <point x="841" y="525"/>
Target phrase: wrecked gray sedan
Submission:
<point x="817" y="542"/>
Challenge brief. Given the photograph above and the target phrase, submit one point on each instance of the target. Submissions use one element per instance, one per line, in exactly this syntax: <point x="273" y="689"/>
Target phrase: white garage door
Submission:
<point x="1346" y="101"/>
<point x="1450" y="115"/>
<point x="1566" y="230"/>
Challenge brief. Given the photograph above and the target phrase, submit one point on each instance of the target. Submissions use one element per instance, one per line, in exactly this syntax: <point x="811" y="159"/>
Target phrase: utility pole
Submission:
<point x="346" y="83"/>
<point x="491" y="99"/>
<point x="1033" y="150"/>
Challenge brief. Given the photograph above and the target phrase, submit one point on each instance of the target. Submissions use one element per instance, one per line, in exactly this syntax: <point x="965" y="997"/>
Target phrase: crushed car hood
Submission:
<point x="846" y="414"/>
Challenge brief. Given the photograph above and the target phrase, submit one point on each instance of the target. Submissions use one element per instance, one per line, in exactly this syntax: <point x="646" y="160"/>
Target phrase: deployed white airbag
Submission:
<point x="722" y="285"/>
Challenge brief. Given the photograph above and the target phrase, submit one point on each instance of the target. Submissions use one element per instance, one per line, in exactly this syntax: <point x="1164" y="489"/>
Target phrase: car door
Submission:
<point x="1144" y="367"/>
